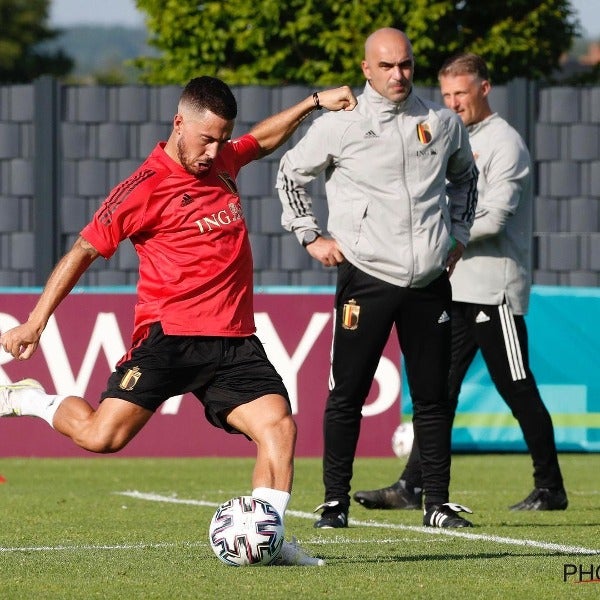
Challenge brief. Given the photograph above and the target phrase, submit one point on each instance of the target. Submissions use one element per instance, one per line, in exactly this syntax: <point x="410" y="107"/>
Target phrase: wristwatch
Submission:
<point x="309" y="237"/>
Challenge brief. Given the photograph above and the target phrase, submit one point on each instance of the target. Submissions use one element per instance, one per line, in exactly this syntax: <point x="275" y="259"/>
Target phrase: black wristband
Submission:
<point x="316" y="101"/>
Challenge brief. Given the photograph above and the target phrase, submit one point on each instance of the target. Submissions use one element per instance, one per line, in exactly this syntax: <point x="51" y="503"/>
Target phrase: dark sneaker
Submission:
<point x="395" y="496"/>
<point x="446" y="515"/>
<point x="334" y="515"/>
<point x="543" y="499"/>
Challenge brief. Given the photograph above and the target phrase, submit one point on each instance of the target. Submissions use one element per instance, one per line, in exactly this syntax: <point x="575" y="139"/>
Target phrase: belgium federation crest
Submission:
<point x="424" y="133"/>
<point x="350" y="314"/>
<point x="130" y="379"/>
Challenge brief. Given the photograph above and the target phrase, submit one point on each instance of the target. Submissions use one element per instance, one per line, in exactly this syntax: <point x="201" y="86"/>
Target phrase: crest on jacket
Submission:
<point x="424" y="133"/>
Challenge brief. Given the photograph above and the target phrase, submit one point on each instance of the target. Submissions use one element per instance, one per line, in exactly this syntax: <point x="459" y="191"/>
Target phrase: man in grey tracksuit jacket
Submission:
<point x="490" y="290"/>
<point x="401" y="193"/>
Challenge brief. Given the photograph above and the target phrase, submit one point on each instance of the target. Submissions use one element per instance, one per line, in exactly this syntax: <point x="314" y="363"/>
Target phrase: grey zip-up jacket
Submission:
<point x="497" y="264"/>
<point x="400" y="181"/>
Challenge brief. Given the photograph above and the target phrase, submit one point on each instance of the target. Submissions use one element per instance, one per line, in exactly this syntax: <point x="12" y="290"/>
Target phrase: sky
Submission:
<point x="64" y="13"/>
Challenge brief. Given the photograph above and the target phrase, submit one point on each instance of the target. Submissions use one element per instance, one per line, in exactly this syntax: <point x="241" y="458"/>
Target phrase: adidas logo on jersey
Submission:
<point x="371" y="134"/>
<point x="481" y="317"/>
<point x="186" y="199"/>
<point x="444" y="318"/>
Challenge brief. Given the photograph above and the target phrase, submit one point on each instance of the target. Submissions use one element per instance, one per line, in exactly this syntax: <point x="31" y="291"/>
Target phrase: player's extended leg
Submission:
<point x="107" y="429"/>
<point x="267" y="421"/>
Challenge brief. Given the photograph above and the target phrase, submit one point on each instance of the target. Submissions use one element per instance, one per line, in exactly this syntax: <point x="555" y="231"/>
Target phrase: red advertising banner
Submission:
<point x="91" y="331"/>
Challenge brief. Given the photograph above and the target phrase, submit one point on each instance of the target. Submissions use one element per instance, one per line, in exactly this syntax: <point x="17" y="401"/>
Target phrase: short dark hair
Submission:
<point x="210" y="93"/>
<point x="463" y="64"/>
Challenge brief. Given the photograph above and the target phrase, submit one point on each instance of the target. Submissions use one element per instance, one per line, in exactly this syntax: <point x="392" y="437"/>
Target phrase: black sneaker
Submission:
<point x="334" y="515"/>
<point x="446" y="515"/>
<point x="543" y="499"/>
<point x="394" y="496"/>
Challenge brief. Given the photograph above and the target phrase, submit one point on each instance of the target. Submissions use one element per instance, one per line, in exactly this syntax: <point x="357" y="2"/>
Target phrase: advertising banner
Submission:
<point x="91" y="331"/>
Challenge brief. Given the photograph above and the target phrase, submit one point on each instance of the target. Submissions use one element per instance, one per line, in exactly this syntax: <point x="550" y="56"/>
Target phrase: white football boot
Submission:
<point x="10" y="402"/>
<point x="292" y="555"/>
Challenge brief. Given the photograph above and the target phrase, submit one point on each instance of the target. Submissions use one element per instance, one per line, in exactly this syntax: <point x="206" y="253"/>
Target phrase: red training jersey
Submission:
<point x="195" y="271"/>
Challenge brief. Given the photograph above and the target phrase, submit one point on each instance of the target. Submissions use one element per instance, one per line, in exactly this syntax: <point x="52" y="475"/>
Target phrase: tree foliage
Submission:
<point x="22" y="34"/>
<point x="320" y="42"/>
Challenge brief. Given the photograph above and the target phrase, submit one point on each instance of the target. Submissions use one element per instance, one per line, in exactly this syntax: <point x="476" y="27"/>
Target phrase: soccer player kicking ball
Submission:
<point x="194" y="323"/>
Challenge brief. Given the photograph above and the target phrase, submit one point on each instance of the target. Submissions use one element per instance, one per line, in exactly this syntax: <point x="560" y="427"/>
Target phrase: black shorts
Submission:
<point x="222" y="372"/>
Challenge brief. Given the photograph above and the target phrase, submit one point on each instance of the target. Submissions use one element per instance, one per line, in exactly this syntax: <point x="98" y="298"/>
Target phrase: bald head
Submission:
<point x="388" y="64"/>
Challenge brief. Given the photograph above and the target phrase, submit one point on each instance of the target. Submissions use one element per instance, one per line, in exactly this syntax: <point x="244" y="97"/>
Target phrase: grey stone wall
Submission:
<point x="62" y="149"/>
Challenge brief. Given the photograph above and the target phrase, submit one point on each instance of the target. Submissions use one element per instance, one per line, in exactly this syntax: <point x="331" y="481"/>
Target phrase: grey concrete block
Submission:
<point x="584" y="214"/>
<point x="592" y="114"/>
<point x="22" y="100"/>
<point x="126" y="257"/>
<point x="167" y="101"/>
<point x="110" y="277"/>
<point x="149" y="135"/>
<point x="595" y="178"/>
<point x="563" y="252"/>
<point x="320" y="277"/>
<point x="132" y="104"/>
<point x="10" y="279"/>
<point x="254" y="180"/>
<point x="22" y="254"/>
<point x="21" y="177"/>
<point x="288" y="95"/>
<point x="541" y="277"/>
<point x="125" y="168"/>
<point x="251" y="208"/>
<point x="254" y="103"/>
<point x="585" y="142"/>
<point x="583" y="279"/>
<point x="547" y="144"/>
<point x="91" y="104"/>
<point x="546" y="214"/>
<point x="10" y="213"/>
<point x="564" y="104"/>
<point x="92" y="177"/>
<point x="594" y="252"/>
<point x="69" y="177"/>
<point x="276" y="277"/>
<point x="270" y="216"/>
<point x="559" y="178"/>
<point x="74" y="140"/>
<point x="541" y="253"/>
<point x="261" y="251"/>
<point x="73" y="214"/>
<point x="113" y="141"/>
<point x="293" y="255"/>
<point x="9" y="140"/>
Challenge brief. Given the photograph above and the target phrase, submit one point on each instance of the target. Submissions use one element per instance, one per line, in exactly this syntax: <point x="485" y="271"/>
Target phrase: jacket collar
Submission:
<point x="382" y="104"/>
<point x="475" y="127"/>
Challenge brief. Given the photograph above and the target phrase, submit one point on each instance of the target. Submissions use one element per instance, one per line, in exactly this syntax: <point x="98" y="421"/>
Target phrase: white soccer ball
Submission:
<point x="246" y="531"/>
<point x="402" y="439"/>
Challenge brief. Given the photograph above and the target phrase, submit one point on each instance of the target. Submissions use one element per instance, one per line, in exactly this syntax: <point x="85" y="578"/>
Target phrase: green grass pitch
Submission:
<point x="111" y="527"/>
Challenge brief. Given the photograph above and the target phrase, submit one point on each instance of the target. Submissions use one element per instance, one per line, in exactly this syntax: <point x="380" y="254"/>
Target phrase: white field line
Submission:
<point x="559" y="548"/>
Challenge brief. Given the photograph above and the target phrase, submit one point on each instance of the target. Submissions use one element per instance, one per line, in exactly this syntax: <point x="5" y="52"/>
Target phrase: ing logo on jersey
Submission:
<point x="424" y="133"/>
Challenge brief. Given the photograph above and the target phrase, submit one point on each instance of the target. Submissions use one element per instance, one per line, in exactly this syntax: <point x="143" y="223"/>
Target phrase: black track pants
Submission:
<point x="366" y="310"/>
<point x="502" y="339"/>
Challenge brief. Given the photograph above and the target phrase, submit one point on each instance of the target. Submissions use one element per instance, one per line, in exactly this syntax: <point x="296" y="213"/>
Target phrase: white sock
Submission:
<point x="276" y="498"/>
<point x="36" y="403"/>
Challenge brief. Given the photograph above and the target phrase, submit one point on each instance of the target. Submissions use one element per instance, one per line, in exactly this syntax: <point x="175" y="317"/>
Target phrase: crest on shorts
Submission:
<point x="424" y="133"/>
<point x="350" y="314"/>
<point x="130" y="379"/>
